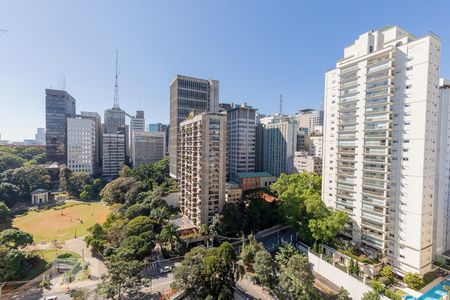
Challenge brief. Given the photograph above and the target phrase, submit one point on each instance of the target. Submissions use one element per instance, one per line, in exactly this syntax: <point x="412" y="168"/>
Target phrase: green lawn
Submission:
<point x="61" y="223"/>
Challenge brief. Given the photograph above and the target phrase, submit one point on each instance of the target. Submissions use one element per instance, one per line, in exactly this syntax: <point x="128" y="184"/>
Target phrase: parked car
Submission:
<point x="165" y="269"/>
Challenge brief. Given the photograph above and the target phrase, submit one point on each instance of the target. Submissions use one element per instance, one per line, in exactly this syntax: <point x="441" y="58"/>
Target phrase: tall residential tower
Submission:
<point x="380" y="142"/>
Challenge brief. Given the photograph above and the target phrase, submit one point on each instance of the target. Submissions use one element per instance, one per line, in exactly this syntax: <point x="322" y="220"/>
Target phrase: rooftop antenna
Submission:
<point x="63" y="81"/>
<point x="281" y="105"/>
<point x="116" y="86"/>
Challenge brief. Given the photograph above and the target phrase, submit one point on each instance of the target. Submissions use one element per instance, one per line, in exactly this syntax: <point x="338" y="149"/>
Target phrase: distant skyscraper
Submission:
<point x="157" y="127"/>
<point x="113" y="152"/>
<point x="147" y="147"/>
<point x="241" y="139"/>
<point x="137" y="123"/>
<point x="202" y="159"/>
<point x="81" y="145"/>
<point x="188" y="94"/>
<point x="310" y="120"/>
<point x="380" y="142"/>
<point x="279" y="144"/>
<point x="114" y="119"/>
<point x="98" y="138"/>
<point x="40" y="136"/>
<point x="59" y="105"/>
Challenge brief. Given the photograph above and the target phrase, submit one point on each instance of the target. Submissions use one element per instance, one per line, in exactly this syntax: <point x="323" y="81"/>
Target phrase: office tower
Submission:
<point x="147" y="147"/>
<point x="315" y="146"/>
<point x="137" y="123"/>
<point x="442" y="207"/>
<point x="259" y="144"/>
<point x="279" y="144"/>
<point x="81" y="145"/>
<point x="310" y="120"/>
<point x="40" y="136"/>
<point x="241" y="139"/>
<point x="114" y="145"/>
<point x="113" y="120"/>
<point x="156" y="127"/>
<point x="380" y="141"/>
<point x="202" y="159"/>
<point x="98" y="138"/>
<point x="189" y="94"/>
<point x="59" y="105"/>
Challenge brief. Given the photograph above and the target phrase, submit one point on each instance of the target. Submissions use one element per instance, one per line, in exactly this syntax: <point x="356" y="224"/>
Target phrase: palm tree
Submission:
<point x="284" y="253"/>
<point x="169" y="236"/>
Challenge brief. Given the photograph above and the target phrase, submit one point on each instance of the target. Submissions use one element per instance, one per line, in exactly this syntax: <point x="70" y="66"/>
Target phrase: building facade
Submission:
<point x="202" y="159"/>
<point x="156" y="127"/>
<point x="380" y="137"/>
<point x="147" y="147"/>
<point x="310" y="120"/>
<point x="307" y="163"/>
<point x="113" y="152"/>
<point x="241" y="140"/>
<point x="315" y="147"/>
<point x="59" y="105"/>
<point x="39" y="137"/>
<point x="442" y="207"/>
<point x="279" y="143"/>
<point x="82" y="145"/>
<point x="255" y="180"/>
<point x="188" y="94"/>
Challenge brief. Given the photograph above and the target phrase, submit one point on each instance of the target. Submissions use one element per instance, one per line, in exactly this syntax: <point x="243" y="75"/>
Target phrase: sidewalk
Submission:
<point x="254" y="290"/>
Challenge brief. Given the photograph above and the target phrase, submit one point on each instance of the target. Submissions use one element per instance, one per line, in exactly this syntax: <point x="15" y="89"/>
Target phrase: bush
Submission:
<point x="414" y="281"/>
<point x="392" y="295"/>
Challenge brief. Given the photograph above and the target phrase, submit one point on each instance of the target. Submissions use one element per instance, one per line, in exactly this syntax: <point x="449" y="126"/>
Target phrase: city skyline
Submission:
<point x="273" y="53"/>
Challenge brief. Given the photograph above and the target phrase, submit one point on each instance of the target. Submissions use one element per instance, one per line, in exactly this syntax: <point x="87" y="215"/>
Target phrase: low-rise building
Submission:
<point x="307" y="163"/>
<point x="255" y="180"/>
<point x="233" y="192"/>
<point x="39" y="196"/>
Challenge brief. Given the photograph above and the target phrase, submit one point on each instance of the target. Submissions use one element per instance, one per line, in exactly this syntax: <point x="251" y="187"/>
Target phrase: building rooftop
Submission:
<point x="254" y="174"/>
<point x="39" y="191"/>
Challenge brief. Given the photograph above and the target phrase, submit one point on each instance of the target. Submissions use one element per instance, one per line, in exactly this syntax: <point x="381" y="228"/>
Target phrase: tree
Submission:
<point x="265" y="269"/>
<point x="159" y="215"/>
<point x="343" y="294"/>
<point x="115" y="191"/>
<point x="372" y="295"/>
<point x="9" y="193"/>
<point x="76" y="183"/>
<point x="136" y="247"/>
<point x="377" y="286"/>
<point x="387" y="276"/>
<point x="10" y="161"/>
<point x="296" y="279"/>
<point x="81" y="294"/>
<point x="284" y="254"/>
<point x="64" y="177"/>
<point x="4" y="212"/>
<point x="138" y="226"/>
<point x="15" y="238"/>
<point x="97" y="238"/>
<point x="208" y="273"/>
<point x="168" y="236"/>
<point x="249" y="250"/>
<point x="136" y="210"/>
<point x="326" y="229"/>
<point x="413" y="280"/>
<point x="123" y="277"/>
<point x="234" y="219"/>
<point x="13" y="264"/>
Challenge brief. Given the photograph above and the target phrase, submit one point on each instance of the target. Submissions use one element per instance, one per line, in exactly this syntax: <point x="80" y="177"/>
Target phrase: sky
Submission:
<point x="257" y="49"/>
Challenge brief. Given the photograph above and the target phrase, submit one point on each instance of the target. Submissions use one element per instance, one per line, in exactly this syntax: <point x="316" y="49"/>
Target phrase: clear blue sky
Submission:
<point x="256" y="49"/>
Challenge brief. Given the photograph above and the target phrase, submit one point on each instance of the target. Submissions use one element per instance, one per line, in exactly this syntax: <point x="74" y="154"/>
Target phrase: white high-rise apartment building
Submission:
<point x="380" y="142"/>
<point x="241" y="140"/>
<point x="81" y="145"/>
<point x="442" y="206"/>
<point x="202" y="166"/>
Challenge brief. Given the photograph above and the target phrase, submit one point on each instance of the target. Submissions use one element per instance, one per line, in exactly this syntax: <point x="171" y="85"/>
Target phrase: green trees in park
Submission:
<point x="80" y="185"/>
<point x="4" y="212"/>
<point x="265" y="269"/>
<point x="301" y="207"/>
<point x="13" y="262"/>
<point x="208" y="273"/>
<point x="16" y="157"/>
<point x="372" y="295"/>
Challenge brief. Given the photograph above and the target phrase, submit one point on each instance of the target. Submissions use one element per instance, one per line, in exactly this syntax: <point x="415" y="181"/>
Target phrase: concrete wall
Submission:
<point x="340" y="278"/>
